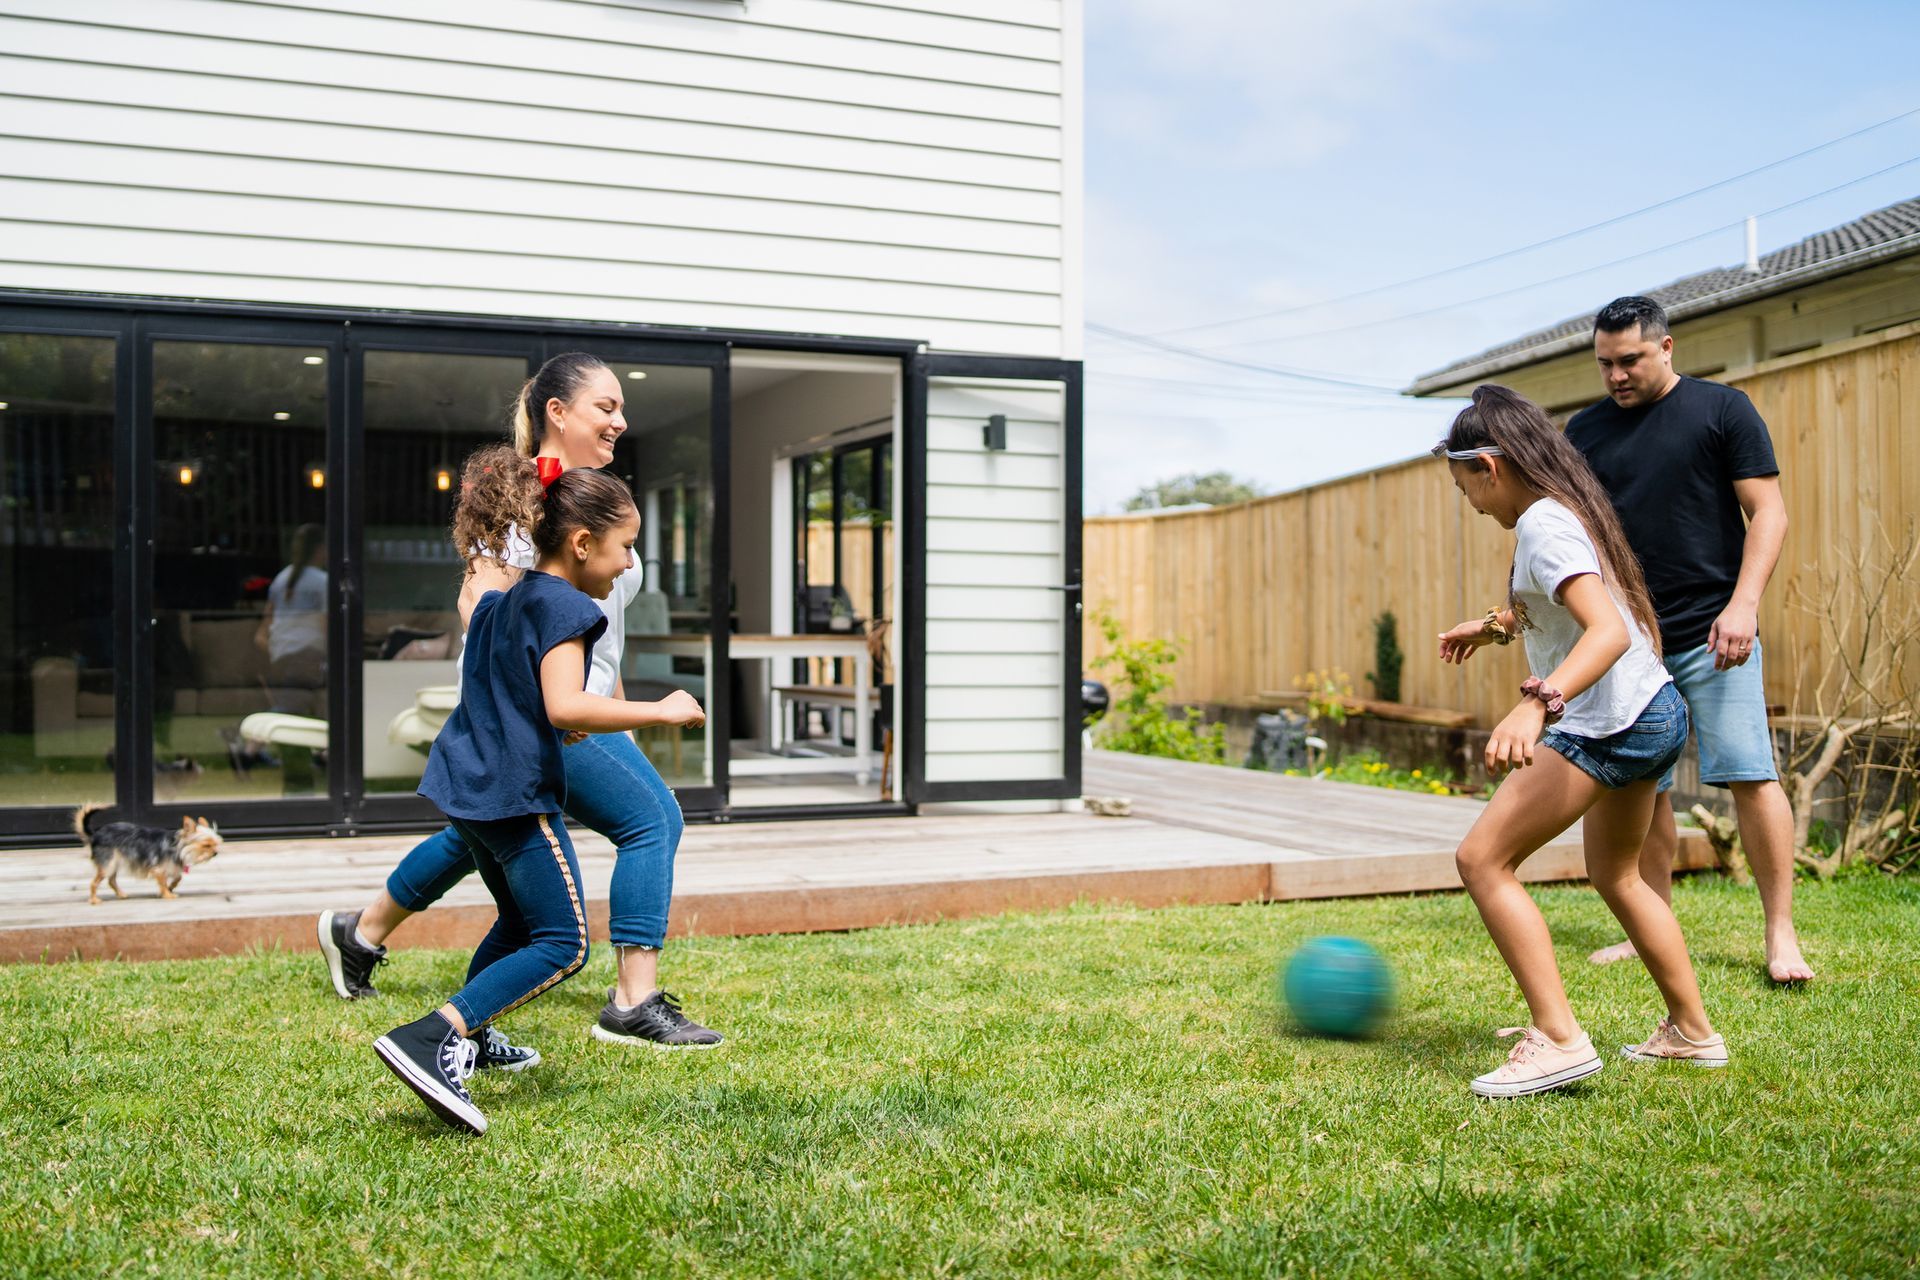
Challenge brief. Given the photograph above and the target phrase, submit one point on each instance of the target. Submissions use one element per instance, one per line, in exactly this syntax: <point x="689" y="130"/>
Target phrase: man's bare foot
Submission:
<point x="1618" y="951"/>
<point x="1785" y="965"/>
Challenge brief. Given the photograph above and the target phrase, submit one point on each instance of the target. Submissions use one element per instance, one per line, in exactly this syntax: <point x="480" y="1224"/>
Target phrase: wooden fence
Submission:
<point x="1264" y="591"/>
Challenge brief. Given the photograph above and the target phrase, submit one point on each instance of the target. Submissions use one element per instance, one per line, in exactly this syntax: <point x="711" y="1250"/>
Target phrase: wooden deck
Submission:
<point x="1198" y="834"/>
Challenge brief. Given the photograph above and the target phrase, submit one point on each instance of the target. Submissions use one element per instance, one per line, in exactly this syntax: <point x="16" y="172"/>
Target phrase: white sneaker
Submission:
<point x="1666" y="1044"/>
<point x="1537" y="1064"/>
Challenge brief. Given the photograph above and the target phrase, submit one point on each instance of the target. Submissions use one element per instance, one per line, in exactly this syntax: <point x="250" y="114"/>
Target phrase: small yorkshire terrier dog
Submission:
<point x="148" y="851"/>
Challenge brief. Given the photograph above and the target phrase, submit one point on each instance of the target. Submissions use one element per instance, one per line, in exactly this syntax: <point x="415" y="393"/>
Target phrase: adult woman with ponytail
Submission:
<point x="1597" y="724"/>
<point x="567" y="416"/>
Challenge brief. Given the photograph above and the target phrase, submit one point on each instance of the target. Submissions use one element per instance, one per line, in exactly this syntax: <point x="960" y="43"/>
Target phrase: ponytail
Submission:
<point x="561" y="378"/>
<point x="500" y="490"/>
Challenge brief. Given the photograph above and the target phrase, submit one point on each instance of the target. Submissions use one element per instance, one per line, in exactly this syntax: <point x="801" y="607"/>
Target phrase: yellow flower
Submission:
<point x="1416" y="773"/>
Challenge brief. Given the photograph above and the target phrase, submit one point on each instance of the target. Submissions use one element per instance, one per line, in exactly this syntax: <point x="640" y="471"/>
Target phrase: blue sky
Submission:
<point x="1246" y="156"/>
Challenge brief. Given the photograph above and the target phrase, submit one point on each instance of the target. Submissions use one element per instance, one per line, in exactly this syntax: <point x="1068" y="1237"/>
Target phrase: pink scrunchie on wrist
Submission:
<point x="1550" y="698"/>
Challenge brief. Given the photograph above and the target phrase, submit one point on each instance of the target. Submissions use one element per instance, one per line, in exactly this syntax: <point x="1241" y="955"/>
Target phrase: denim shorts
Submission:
<point x="1729" y="711"/>
<point x="1644" y="749"/>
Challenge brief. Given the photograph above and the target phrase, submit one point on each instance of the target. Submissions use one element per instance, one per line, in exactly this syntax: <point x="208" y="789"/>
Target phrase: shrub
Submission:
<point x="1139" y="722"/>
<point x="1387" y="658"/>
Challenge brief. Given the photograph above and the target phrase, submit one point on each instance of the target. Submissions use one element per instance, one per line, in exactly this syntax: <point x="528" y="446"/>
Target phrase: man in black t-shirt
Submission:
<point x="1690" y="468"/>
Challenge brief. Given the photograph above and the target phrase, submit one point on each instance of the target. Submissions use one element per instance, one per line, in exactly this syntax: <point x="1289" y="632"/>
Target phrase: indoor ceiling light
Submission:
<point x="313" y="360"/>
<point x="636" y="374"/>
<point x="282" y="416"/>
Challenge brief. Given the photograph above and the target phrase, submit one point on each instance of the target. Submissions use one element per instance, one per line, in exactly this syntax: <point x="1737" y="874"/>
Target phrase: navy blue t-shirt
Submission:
<point x="498" y="756"/>
<point x="1669" y="467"/>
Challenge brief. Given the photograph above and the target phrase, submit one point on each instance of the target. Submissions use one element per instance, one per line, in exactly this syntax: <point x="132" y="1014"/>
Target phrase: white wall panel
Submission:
<point x="872" y="169"/>
<point x="995" y="553"/>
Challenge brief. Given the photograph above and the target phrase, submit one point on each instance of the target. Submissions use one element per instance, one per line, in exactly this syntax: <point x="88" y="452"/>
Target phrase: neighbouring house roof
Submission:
<point x="1891" y="232"/>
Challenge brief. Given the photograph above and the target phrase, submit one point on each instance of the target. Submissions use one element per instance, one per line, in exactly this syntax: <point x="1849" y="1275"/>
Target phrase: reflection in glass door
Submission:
<point x="666" y="458"/>
<point x="423" y="412"/>
<point x="240" y="577"/>
<point x="56" y="569"/>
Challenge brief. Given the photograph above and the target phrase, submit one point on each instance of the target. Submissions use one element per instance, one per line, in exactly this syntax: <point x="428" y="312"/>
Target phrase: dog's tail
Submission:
<point x="83" y="820"/>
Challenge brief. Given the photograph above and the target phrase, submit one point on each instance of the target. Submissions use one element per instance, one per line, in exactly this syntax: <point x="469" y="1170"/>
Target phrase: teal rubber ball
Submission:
<point x="1338" y="987"/>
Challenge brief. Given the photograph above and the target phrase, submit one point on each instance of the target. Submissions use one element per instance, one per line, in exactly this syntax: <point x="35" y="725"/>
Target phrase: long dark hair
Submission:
<point x="1544" y="461"/>
<point x="308" y="541"/>
<point x="561" y="378"/>
<point x="499" y="489"/>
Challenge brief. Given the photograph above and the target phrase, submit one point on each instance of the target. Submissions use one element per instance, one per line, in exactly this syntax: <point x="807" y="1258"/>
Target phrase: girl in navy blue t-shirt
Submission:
<point x="496" y="769"/>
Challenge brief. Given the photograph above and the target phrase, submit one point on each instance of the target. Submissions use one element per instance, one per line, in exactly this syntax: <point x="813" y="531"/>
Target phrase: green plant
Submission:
<point x="1139" y="722"/>
<point x="1368" y="770"/>
<point x="1388" y="658"/>
<point x="1328" y="693"/>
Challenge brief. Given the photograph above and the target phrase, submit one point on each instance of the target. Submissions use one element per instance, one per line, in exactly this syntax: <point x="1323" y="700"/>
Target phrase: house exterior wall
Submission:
<point x="996" y="559"/>
<point x="893" y="170"/>
<point x="1797" y="320"/>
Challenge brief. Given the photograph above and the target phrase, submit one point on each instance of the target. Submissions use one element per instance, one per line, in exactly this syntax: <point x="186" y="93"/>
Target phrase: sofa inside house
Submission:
<point x="217" y="674"/>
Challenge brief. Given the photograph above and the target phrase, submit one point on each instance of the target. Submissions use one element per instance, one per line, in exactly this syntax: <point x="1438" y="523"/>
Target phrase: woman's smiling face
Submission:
<point x="584" y="430"/>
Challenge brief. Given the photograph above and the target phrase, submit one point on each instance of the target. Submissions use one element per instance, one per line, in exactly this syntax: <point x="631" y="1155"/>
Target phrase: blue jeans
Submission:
<point x="1729" y="710"/>
<point x="1644" y="749"/>
<point x="540" y="939"/>
<point x="612" y="788"/>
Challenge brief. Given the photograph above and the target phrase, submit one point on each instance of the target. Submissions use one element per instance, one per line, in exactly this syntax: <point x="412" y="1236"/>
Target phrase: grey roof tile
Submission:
<point x="1889" y="232"/>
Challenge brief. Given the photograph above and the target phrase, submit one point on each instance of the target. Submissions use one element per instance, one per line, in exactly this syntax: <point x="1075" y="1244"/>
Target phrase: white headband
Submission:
<point x="1468" y="455"/>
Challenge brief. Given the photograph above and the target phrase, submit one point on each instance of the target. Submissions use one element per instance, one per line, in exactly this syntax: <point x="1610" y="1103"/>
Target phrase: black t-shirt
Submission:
<point x="1669" y="468"/>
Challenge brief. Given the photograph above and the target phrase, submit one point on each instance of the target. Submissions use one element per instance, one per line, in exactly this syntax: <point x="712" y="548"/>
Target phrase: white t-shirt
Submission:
<point x="1554" y="547"/>
<point x="604" y="672"/>
<point x="299" y="613"/>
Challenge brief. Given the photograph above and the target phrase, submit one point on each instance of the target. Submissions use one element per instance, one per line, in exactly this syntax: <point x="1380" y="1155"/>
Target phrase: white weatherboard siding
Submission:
<point x="996" y="655"/>
<point x="895" y="169"/>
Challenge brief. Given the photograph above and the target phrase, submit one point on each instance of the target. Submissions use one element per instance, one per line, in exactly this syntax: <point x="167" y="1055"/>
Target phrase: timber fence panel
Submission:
<point x="1263" y="591"/>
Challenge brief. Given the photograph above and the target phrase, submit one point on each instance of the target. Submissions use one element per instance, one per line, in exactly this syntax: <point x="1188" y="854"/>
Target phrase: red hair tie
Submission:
<point x="550" y="470"/>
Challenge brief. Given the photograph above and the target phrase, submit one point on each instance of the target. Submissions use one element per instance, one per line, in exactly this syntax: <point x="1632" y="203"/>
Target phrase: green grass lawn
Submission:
<point x="1089" y="1092"/>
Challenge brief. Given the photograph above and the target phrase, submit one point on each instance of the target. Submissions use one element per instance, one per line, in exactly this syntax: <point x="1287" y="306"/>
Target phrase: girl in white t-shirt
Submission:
<point x="1596" y="726"/>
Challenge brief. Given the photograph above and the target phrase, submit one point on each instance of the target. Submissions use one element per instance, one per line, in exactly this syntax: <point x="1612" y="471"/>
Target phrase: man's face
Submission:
<point x="1636" y="370"/>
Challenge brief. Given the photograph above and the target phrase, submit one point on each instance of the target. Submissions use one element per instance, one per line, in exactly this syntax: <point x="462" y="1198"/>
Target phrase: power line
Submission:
<point x="1277" y="395"/>
<point x="1538" y="244"/>
<point x="1571" y="275"/>
<point x="1274" y="370"/>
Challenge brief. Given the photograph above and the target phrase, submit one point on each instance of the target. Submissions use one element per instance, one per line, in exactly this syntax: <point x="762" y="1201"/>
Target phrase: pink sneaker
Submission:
<point x="1666" y="1044"/>
<point x="1537" y="1064"/>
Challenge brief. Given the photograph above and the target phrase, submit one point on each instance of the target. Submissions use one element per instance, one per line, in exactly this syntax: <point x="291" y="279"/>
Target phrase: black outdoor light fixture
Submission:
<point x="996" y="432"/>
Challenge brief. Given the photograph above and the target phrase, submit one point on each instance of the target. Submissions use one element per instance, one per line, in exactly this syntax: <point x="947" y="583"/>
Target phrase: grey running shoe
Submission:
<point x="349" y="963"/>
<point x="655" y="1021"/>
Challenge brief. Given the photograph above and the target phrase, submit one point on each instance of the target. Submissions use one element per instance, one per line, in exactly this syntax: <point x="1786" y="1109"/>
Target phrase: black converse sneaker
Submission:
<point x="349" y="962"/>
<point x="655" y="1021"/>
<point x="434" y="1061"/>
<point x="497" y="1053"/>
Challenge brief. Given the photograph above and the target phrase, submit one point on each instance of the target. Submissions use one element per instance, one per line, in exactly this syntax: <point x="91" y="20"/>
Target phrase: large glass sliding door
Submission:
<point x="239" y="570"/>
<point x="238" y="509"/>
<point x="225" y="581"/>
<point x="678" y="625"/>
<point x="421" y="412"/>
<point x="57" y="532"/>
